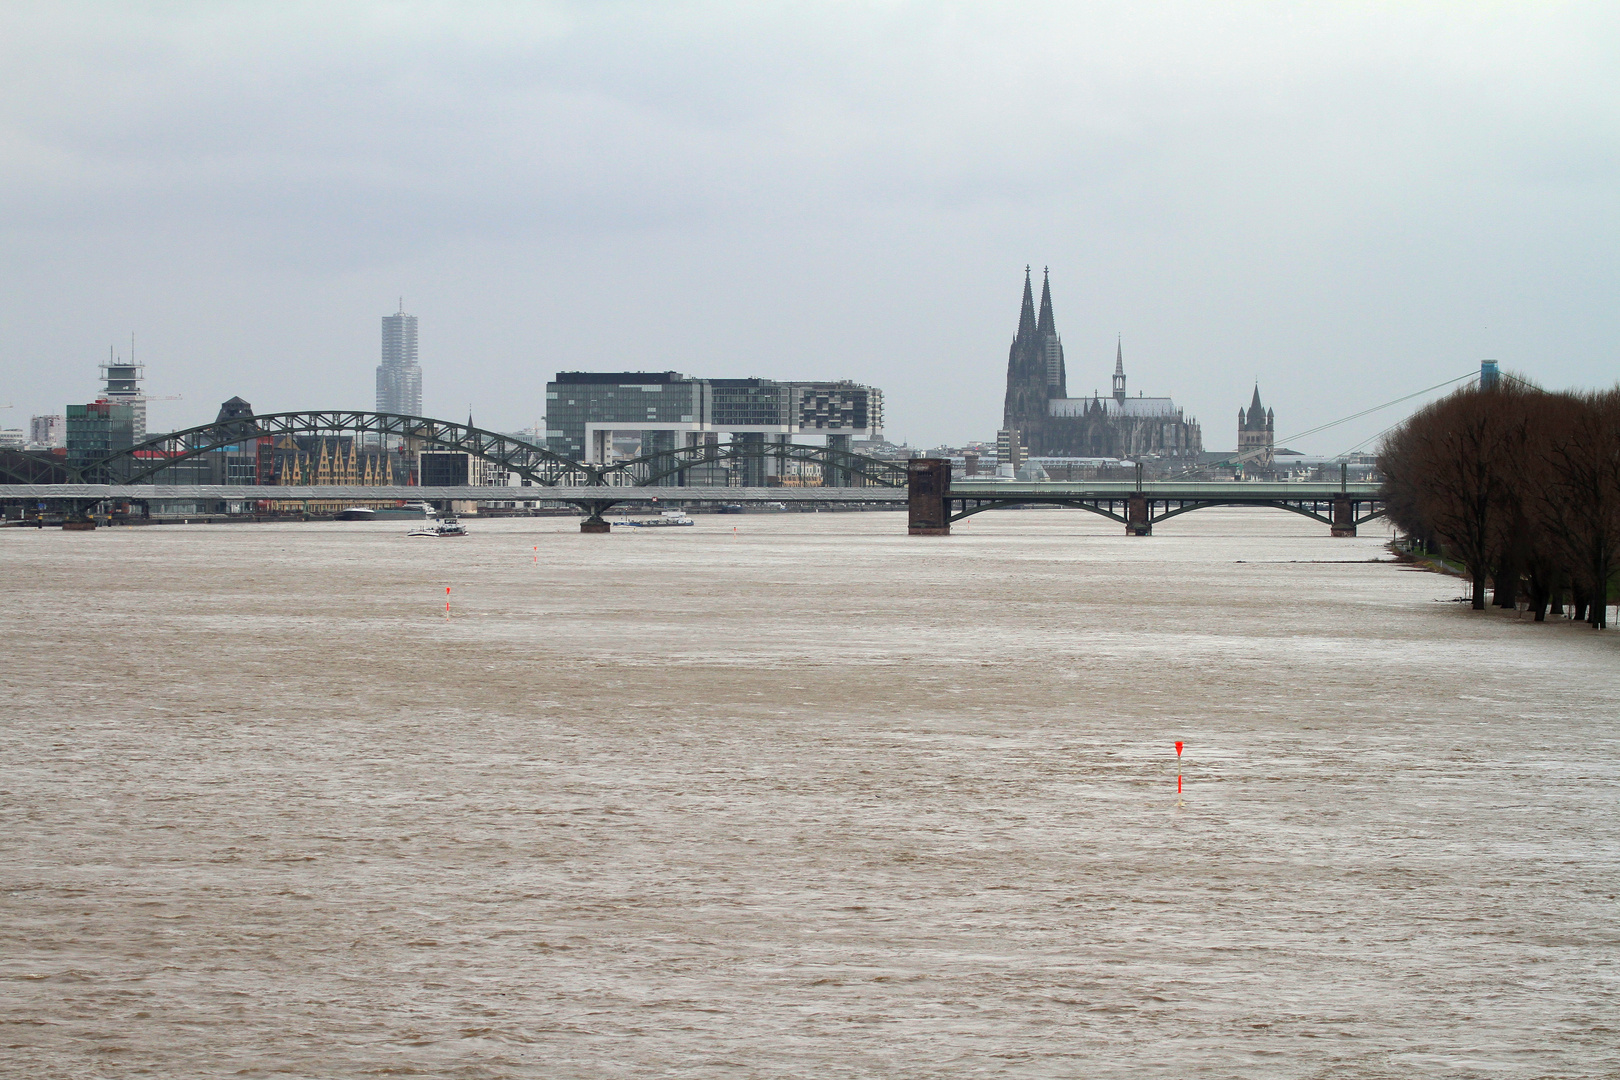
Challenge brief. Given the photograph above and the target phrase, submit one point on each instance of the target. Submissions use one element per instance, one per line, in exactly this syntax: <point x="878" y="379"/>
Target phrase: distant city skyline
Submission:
<point x="1346" y="202"/>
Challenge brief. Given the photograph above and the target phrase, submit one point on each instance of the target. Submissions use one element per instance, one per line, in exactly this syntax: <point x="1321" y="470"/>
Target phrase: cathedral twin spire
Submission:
<point x="1026" y="317"/>
<point x="1029" y="324"/>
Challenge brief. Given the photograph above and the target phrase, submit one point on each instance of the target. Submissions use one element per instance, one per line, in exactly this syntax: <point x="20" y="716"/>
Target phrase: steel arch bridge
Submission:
<point x="25" y="467"/>
<point x="1316" y="508"/>
<point x="145" y="460"/>
<point x="1141" y="505"/>
<point x="541" y="467"/>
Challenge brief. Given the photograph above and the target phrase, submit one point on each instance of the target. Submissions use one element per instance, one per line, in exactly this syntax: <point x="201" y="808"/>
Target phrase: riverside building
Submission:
<point x="47" y="432"/>
<point x="96" y="430"/>
<point x="596" y="416"/>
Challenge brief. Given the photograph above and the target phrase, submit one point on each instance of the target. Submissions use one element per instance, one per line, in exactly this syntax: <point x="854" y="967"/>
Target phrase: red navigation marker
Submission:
<point x="1178" y="750"/>
<point x="447" y="601"/>
<point x="1178" y="771"/>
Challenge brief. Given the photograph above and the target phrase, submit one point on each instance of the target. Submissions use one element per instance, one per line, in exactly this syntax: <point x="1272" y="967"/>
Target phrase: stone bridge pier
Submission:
<point x="928" y="497"/>
<point x="1137" y="520"/>
<point x="1344" y="517"/>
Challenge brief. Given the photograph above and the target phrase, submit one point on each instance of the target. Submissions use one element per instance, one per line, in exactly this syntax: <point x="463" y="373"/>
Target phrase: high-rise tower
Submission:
<point x="399" y="378"/>
<point x="122" y="386"/>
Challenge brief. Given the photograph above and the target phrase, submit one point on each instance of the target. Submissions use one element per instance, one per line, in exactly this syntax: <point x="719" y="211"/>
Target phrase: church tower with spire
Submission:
<point x="1257" y="429"/>
<point x="1057" y="380"/>
<point x="1026" y="369"/>
<point x="1035" y="371"/>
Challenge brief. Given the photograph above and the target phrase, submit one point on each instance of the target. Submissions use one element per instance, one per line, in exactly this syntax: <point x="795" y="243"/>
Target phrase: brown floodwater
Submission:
<point x="796" y="796"/>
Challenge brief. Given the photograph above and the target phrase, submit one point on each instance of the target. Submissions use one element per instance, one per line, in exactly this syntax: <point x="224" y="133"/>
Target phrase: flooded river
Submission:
<point x="796" y="796"/>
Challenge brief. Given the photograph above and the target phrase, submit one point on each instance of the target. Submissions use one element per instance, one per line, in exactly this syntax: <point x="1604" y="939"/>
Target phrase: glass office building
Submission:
<point x="610" y="416"/>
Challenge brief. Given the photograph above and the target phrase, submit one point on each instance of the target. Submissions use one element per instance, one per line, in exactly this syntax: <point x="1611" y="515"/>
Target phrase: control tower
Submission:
<point x="122" y="386"/>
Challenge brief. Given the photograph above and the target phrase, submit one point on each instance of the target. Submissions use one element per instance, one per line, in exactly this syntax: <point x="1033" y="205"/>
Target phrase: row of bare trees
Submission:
<point x="1521" y="486"/>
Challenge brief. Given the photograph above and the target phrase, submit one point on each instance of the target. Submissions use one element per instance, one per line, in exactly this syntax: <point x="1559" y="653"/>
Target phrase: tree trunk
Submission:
<point x="1577" y="603"/>
<point x="1538" y="596"/>
<point x="1479" y="592"/>
<point x="1506" y="582"/>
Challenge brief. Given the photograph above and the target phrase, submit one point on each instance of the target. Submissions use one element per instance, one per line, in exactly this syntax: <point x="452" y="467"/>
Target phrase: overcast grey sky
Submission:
<point x="1345" y="201"/>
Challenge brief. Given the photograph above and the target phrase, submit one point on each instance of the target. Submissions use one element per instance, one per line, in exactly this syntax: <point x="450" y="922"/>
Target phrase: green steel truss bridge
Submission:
<point x="706" y="472"/>
<point x="533" y="463"/>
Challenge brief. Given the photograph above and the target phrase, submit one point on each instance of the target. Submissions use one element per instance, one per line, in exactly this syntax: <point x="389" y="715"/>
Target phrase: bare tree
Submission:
<point x="1580" y="504"/>
<point x="1452" y="472"/>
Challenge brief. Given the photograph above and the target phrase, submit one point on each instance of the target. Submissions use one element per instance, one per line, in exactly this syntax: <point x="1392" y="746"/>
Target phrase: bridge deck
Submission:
<point x="342" y="493"/>
<point x="1234" y="490"/>
<point x="1000" y="491"/>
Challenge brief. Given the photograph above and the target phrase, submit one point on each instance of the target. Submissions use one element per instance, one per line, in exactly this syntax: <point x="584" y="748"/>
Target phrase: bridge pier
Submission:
<point x="1344" y="517"/>
<point x="594" y="522"/>
<point x="1137" y="521"/>
<point x="928" y="497"/>
<point x="78" y="516"/>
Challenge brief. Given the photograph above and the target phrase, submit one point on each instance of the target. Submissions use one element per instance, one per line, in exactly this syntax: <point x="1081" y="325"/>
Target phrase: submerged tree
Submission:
<point x="1448" y="474"/>
<point x="1521" y="485"/>
<point x="1580" y="500"/>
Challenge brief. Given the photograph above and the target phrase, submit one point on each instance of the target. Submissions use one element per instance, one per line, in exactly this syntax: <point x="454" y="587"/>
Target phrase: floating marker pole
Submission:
<point x="537" y="554"/>
<point x="1178" y="768"/>
<point x="447" y="601"/>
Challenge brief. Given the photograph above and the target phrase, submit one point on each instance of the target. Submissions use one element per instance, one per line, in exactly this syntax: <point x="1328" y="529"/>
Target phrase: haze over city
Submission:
<point x="1345" y="202"/>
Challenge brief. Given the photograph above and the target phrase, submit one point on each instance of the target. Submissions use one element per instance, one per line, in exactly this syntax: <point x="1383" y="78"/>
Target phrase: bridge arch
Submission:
<point x="25" y="467"/>
<point x="145" y="460"/>
<point x="1206" y="505"/>
<point x="1074" y="504"/>
<point x="542" y="467"/>
<point x="1301" y="510"/>
<point x="1101" y="506"/>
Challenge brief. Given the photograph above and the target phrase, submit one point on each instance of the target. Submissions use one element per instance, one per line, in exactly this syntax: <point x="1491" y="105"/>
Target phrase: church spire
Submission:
<point x="1255" y="409"/>
<point x="1046" y="324"/>
<point x="1119" y="370"/>
<point x="1026" y="317"/>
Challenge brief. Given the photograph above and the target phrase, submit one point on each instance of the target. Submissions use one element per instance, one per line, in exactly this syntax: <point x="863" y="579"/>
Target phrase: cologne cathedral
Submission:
<point x="1052" y="424"/>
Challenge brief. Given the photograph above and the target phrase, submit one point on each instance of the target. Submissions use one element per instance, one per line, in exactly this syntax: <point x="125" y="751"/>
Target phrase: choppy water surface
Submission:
<point x="807" y="799"/>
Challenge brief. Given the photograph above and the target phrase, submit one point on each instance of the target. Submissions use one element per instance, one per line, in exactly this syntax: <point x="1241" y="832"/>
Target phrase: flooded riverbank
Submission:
<point x="796" y="795"/>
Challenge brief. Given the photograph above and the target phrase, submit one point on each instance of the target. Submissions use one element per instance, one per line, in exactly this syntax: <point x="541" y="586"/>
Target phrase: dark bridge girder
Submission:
<point x="933" y="500"/>
<point x="536" y="464"/>
<point x="1104" y="508"/>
